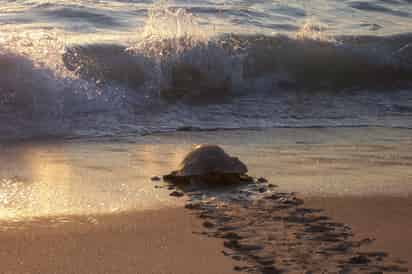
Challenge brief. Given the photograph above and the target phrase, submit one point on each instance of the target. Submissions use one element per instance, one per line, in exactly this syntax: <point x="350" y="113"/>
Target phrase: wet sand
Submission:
<point x="160" y="241"/>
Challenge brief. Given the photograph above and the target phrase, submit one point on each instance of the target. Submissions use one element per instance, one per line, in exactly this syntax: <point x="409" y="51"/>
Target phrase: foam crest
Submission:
<point x="183" y="58"/>
<point x="35" y="81"/>
<point x="313" y="29"/>
<point x="43" y="48"/>
<point x="165" y="22"/>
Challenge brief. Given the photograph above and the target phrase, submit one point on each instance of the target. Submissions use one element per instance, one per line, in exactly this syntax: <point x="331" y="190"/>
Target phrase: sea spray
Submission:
<point x="312" y="29"/>
<point x="175" y="72"/>
<point x="187" y="60"/>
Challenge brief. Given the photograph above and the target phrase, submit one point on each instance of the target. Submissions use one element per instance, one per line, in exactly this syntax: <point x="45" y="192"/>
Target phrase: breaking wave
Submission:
<point x="177" y="74"/>
<point x="236" y="61"/>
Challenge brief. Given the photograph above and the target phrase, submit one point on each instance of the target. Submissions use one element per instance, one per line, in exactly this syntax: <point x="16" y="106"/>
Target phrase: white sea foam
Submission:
<point x="174" y="71"/>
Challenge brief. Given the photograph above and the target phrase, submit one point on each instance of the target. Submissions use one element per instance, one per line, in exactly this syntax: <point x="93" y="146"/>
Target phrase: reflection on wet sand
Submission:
<point x="59" y="179"/>
<point x="101" y="177"/>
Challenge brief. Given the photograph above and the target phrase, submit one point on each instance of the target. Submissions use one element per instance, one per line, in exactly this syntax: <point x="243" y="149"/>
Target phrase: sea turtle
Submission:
<point x="209" y="164"/>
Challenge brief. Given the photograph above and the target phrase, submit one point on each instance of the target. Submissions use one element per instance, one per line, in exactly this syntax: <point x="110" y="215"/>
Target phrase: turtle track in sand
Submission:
<point x="273" y="232"/>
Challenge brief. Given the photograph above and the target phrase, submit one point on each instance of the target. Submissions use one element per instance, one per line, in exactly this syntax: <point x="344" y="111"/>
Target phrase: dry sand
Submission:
<point x="388" y="220"/>
<point x="160" y="241"/>
<point x="163" y="241"/>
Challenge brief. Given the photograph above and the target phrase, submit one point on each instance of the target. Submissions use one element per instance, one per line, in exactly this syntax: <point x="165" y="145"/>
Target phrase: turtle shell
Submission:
<point x="210" y="159"/>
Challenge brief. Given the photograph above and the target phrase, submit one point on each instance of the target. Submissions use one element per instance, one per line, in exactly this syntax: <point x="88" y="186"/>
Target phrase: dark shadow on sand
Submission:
<point x="273" y="232"/>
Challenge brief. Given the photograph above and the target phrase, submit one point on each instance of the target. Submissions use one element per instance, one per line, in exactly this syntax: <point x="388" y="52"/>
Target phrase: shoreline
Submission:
<point x="133" y="137"/>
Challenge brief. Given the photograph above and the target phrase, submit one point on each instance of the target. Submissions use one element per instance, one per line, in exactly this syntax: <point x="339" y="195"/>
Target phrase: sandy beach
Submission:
<point x="66" y="212"/>
<point x="293" y="120"/>
<point x="161" y="241"/>
<point x="386" y="220"/>
<point x="170" y="240"/>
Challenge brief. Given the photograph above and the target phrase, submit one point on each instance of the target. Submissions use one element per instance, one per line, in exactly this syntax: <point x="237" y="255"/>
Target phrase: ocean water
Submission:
<point x="80" y="68"/>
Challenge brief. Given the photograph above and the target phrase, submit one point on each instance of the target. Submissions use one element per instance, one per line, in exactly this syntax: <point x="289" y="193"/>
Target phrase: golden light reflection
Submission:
<point x="51" y="189"/>
<point x="158" y="160"/>
<point x="98" y="178"/>
<point x="67" y="179"/>
<point x="43" y="187"/>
